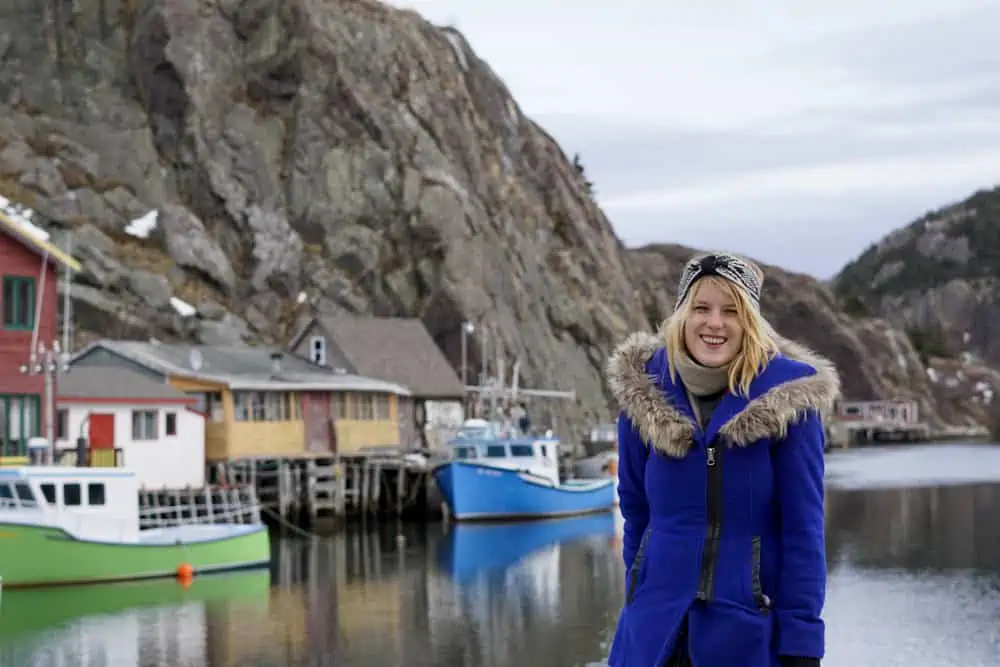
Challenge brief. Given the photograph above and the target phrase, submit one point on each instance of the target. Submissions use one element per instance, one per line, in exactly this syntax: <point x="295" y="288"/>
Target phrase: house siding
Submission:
<point x="174" y="462"/>
<point x="18" y="260"/>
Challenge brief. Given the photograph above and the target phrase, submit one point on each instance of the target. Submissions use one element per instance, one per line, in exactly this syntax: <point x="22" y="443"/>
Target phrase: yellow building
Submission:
<point x="262" y="402"/>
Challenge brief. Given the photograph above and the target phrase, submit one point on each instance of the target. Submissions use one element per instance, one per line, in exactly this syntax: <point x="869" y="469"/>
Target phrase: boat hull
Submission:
<point x="473" y="491"/>
<point x="43" y="556"/>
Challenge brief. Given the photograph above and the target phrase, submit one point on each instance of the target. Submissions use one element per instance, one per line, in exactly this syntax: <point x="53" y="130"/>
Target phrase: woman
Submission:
<point x="721" y="482"/>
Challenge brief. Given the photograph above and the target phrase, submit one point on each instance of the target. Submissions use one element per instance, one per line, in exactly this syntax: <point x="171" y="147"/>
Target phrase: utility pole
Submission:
<point x="67" y="304"/>
<point x="46" y="363"/>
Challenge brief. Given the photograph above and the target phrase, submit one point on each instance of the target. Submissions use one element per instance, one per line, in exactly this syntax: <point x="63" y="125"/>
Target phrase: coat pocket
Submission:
<point x="633" y="578"/>
<point x="761" y="600"/>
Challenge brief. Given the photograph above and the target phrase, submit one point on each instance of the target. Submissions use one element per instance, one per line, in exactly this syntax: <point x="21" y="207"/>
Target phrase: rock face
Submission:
<point x="340" y="148"/>
<point x="938" y="278"/>
<point x="351" y="152"/>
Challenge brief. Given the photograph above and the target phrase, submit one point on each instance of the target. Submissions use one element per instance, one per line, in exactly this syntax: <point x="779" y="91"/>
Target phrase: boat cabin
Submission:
<point x="494" y="444"/>
<point x="87" y="504"/>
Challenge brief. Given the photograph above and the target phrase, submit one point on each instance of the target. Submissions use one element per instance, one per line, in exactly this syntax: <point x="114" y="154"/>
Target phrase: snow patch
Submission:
<point x="142" y="226"/>
<point x="21" y="215"/>
<point x="183" y="308"/>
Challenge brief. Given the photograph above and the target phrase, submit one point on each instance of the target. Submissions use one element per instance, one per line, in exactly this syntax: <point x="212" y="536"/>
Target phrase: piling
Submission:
<point x="306" y="490"/>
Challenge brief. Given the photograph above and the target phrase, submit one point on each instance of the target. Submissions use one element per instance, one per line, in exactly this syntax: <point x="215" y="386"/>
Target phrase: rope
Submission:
<point x="288" y="524"/>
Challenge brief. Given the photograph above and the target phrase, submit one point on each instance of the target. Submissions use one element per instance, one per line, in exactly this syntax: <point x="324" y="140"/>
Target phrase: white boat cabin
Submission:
<point x="494" y="444"/>
<point x="87" y="504"/>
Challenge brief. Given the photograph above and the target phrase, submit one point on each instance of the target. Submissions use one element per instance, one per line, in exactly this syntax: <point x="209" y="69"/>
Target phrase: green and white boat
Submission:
<point x="75" y="525"/>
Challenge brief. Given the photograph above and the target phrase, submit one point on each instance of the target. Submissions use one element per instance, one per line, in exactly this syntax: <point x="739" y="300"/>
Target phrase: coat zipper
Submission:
<point x="706" y="583"/>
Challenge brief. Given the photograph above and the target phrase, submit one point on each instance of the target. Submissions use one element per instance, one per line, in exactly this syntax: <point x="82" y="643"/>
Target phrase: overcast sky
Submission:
<point x="796" y="132"/>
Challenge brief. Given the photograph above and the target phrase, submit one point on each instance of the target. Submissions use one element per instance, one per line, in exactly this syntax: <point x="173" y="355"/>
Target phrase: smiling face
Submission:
<point x="713" y="334"/>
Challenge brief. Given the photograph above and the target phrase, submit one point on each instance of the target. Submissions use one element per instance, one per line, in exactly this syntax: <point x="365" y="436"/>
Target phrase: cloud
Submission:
<point x="800" y="132"/>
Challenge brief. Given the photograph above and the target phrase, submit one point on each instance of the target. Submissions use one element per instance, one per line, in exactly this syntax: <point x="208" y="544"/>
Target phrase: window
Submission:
<point x="209" y="404"/>
<point x="49" y="491"/>
<point x="20" y="419"/>
<point x="496" y="451"/>
<point x="265" y="406"/>
<point x="521" y="450"/>
<point x="95" y="494"/>
<point x="62" y="424"/>
<point x="317" y="350"/>
<point x="18" y="302"/>
<point x="71" y="495"/>
<point x="144" y="425"/>
<point x="338" y="405"/>
<point x="170" y="423"/>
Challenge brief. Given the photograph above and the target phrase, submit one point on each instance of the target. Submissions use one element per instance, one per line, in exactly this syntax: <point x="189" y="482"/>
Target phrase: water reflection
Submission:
<point x="914" y="580"/>
<point x="929" y="528"/>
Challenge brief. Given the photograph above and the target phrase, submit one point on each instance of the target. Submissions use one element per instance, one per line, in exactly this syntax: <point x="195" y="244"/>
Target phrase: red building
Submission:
<point x="29" y="271"/>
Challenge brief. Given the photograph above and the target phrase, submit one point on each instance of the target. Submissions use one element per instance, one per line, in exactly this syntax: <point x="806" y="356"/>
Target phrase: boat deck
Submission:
<point x="196" y="533"/>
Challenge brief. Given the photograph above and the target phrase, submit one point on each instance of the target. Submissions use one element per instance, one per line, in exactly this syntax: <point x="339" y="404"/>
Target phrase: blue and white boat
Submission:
<point x="497" y="473"/>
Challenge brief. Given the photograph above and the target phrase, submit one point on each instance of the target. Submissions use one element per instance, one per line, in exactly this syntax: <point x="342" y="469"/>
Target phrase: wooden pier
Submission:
<point x="850" y="433"/>
<point x="302" y="491"/>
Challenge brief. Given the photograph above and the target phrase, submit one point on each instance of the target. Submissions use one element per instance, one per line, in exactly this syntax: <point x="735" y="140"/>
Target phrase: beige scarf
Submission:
<point x="701" y="381"/>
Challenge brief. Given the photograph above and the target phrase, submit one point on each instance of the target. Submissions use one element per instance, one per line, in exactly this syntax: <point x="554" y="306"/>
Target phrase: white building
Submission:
<point x="131" y="420"/>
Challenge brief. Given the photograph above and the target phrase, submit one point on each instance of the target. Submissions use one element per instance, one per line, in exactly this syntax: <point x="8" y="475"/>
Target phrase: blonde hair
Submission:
<point x="759" y="344"/>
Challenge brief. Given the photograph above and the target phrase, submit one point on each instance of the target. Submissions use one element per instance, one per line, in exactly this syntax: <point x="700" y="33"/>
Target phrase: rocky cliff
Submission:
<point x="938" y="279"/>
<point x="351" y="153"/>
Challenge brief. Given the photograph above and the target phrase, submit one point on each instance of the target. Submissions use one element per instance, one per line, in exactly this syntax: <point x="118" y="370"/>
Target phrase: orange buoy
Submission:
<point x="185" y="572"/>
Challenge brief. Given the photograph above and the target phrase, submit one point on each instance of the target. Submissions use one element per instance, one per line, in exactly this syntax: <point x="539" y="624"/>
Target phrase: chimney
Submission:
<point x="276" y="363"/>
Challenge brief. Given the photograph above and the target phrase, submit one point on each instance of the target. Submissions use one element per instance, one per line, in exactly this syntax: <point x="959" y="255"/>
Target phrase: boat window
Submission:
<point x="49" y="491"/>
<point x="95" y="494"/>
<point x="465" y="452"/>
<point x="496" y="451"/>
<point x="71" y="495"/>
<point x="545" y="451"/>
<point x="25" y="494"/>
<point x="522" y="450"/>
<point x="6" y="495"/>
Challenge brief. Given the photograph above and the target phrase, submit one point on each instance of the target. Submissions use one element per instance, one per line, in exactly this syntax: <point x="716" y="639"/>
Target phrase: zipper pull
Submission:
<point x="711" y="456"/>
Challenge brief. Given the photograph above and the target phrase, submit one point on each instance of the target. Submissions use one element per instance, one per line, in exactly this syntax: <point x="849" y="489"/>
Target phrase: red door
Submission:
<point x="319" y="425"/>
<point x="102" y="431"/>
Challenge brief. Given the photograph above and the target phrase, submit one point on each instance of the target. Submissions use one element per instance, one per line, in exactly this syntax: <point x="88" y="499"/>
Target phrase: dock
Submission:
<point x="306" y="490"/>
<point x="857" y="423"/>
<point x="853" y="433"/>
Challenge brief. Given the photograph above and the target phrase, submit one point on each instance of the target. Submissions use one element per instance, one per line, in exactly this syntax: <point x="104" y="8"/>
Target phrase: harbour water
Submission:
<point x="913" y="548"/>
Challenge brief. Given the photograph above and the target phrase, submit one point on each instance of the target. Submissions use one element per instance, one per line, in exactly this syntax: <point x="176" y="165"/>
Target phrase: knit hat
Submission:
<point x="736" y="270"/>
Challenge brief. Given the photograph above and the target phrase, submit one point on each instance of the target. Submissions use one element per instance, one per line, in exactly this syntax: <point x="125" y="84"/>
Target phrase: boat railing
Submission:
<point x="162" y="509"/>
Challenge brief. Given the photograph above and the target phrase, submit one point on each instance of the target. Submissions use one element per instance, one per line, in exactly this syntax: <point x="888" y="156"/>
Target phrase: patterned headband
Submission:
<point x="724" y="265"/>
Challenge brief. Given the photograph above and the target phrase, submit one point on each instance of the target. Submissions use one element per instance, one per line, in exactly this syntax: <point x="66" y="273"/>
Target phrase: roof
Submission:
<point x="240" y="367"/>
<point x="34" y="238"/>
<point x="394" y="349"/>
<point x="93" y="382"/>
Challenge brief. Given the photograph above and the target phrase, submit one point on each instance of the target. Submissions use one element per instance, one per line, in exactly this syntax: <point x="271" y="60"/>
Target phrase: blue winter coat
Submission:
<point x="723" y="526"/>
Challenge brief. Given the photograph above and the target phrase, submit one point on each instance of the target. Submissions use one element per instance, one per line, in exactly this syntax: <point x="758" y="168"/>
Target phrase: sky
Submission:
<point x="795" y="132"/>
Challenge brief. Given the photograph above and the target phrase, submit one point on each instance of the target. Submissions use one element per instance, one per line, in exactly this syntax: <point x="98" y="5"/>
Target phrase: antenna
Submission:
<point x="196" y="360"/>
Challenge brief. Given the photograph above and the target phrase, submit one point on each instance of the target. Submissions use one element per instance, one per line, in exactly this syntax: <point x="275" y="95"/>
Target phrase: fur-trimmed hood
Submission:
<point x="812" y="384"/>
